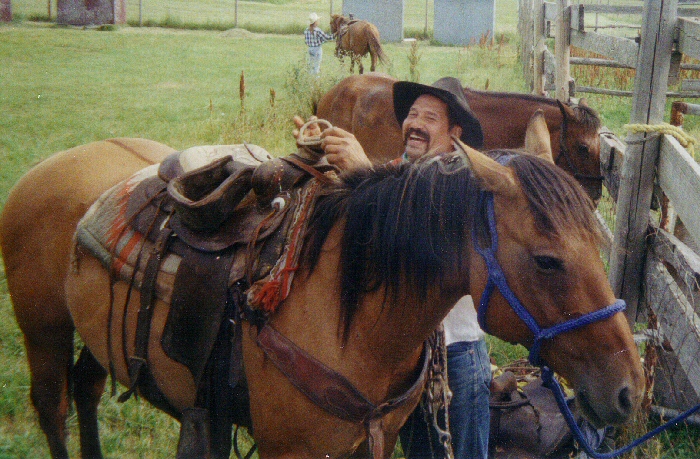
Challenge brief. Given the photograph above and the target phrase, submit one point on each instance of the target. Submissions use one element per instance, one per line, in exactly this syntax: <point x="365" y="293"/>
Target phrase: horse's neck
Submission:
<point x="493" y="107"/>
<point x="384" y="340"/>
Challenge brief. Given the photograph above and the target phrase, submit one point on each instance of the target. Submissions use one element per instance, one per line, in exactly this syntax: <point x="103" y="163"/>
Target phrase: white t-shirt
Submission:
<point x="461" y="323"/>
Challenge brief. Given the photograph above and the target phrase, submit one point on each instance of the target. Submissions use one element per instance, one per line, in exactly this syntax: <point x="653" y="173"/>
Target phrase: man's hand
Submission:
<point x="341" y="147"/>
<point x="312" y="130"/>
<point x="343" y="150"/>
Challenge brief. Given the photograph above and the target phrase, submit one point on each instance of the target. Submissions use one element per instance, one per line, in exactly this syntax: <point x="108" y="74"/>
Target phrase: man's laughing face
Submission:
<point x="427" y="128"/>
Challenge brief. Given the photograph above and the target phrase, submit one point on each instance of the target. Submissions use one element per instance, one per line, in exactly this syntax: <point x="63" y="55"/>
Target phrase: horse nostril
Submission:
<point x="624" y="400"/>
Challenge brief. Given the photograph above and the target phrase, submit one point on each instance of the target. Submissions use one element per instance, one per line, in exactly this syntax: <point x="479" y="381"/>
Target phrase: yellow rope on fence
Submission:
<point x="685" y="139"/>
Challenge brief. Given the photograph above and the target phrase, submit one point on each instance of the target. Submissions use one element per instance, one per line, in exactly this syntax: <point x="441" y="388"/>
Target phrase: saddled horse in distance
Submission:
<point x="362" y="104"/>
<point x="383" y="262"/>
<point x="356" y="38"/>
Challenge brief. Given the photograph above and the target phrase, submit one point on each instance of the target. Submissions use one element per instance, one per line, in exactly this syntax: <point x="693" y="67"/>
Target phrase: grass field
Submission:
<point x="63" y="87"/>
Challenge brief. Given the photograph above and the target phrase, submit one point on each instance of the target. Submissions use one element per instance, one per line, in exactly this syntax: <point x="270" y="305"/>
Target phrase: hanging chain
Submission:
<point x="437" y="396"/>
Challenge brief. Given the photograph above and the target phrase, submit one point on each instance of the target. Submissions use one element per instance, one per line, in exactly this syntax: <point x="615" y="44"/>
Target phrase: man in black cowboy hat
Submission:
<point x="429" y="117"/>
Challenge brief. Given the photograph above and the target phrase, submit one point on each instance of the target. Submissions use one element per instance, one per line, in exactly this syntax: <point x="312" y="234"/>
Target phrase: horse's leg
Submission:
<point x="194" y="435"/>
<point x="89" y="379"/>
<point x="361" y="67"/>
<point x="373" y="59"/>
<point x="50" y="359"/>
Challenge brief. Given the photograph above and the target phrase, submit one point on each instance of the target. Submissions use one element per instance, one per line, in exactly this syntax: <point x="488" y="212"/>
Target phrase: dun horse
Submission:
<point x="36" y="229"/>
<point x="356" y="38"/>
<point x="387" y="254"/>
<point x="363" y="105"/>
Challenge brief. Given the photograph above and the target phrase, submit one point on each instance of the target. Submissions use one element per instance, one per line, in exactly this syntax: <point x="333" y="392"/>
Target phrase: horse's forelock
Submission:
<point x="559" y="205"/>
<point x="587" y="116"/>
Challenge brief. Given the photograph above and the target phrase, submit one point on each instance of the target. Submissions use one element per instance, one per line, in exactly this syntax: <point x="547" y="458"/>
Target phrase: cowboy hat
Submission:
<point x="450" y="91"/>
<point x="313" y="17"/>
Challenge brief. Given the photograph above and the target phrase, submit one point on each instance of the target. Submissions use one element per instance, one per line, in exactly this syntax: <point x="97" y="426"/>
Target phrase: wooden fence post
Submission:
<point x="540" y="48"/>
<point x="562" y="51"/>
<point x="425" y="27"/>
<point x="525" y="31"/>
<point x="120" y="11"/>
<point x="637" y="175"/>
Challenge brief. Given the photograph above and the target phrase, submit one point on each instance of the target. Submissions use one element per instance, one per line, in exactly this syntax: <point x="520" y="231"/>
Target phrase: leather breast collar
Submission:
<point x="331" y="391"/>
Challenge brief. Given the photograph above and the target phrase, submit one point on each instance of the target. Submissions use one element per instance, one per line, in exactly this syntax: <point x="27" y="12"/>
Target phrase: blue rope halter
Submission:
<point x="496" y="278"/>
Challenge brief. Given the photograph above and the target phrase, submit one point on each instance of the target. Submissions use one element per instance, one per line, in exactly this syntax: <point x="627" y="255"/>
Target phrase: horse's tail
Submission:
<point x="376" y="47"/>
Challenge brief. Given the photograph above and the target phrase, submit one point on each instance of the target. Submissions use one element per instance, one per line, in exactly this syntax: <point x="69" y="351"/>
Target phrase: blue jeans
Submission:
<point x="469" y="375"/>
<point x="315" y="55"/>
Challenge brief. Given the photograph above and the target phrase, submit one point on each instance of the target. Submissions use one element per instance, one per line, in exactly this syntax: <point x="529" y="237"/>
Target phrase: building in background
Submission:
<point x="464" y="22"/>
<point x="387" y="15"/>
<point x="456" y="22"/>
<point x="91" y="12"/>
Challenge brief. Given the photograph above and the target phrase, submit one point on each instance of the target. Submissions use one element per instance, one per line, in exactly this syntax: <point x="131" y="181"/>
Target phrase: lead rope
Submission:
<point x="551" y="383"/>
<point x="686" y="140"/>
<point x="438" y="393"/>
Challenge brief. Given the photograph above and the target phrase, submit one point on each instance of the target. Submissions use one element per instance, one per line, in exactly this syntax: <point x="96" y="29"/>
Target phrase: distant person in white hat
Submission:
<point x="315" y="37"/>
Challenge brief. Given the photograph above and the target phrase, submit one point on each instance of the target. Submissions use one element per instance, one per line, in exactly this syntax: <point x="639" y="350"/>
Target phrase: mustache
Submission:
<point x="418" y="132"/>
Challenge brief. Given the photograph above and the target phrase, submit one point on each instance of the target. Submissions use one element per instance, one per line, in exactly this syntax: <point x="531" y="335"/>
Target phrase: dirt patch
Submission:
<point x="241" y="33"/>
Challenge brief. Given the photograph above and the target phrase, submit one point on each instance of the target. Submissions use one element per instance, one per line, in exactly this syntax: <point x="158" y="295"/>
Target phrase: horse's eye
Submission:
<point x="546" y="263"/>
<point x="583" y="150"/>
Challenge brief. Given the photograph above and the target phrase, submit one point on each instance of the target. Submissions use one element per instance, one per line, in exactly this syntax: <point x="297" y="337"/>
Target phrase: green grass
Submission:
<point x="64" y="86"/>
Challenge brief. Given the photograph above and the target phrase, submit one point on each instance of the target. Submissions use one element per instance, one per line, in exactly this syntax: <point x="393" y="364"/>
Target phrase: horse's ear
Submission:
<point x="491" y="175"/>
<point x="583" y="102"/>
<point x="537" y="139"/>
<point x="566" y="111"/>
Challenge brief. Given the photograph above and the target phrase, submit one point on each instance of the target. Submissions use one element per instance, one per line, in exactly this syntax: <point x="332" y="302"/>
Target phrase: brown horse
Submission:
<point x="355" y="39"/>
<point x="363" y="105"/>
<point x="363" y="310"/>
<point x="36" y="229"/>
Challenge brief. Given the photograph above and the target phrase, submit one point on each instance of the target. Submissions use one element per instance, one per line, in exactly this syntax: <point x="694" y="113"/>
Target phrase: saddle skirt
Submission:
<point x="105" y="232"/>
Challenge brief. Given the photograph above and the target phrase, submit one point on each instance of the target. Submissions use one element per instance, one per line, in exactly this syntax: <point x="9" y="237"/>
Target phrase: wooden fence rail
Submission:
<point x="656" y="271"/>
<point x="620" y="51"/>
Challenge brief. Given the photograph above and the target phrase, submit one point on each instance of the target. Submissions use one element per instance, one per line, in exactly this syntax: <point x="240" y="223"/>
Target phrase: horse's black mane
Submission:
<point x="409" y="225"/>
